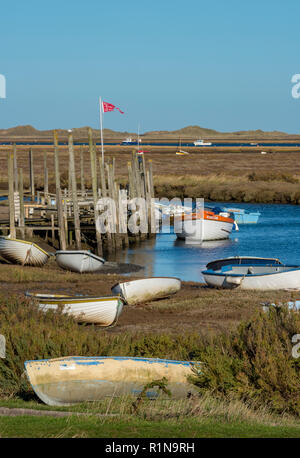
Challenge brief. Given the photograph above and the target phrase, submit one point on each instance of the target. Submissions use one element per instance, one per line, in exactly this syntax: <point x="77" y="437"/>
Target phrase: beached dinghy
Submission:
<point x="102" y="311"/>
<point x="218" y="263"/>
<point x="69" y="380"/>
<point x="147" y="289"/>
<point x="21" y="252"/>
<point x="266" y="275"/>
<point x="79" y="261"/>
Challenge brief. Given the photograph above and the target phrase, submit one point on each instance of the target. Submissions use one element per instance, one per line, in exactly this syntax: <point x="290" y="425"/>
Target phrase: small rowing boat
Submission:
<point x="252" y="273"/>
<point x="102" y="311"/>
<point x="79" y="261"/>
<point x="147" y="289"/>
<point x="203" y="226"/>
<point x="22" y="252"/>
<point x="74" y="379"/>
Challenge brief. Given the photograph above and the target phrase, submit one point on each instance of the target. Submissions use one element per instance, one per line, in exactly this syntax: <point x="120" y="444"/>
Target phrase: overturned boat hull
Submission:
<point x="79" y="261"/>
<point x="22" y="252"/>
<point x="147" y="289"/>
<point x="70" y="380"/>
<point x="102" y="311"/>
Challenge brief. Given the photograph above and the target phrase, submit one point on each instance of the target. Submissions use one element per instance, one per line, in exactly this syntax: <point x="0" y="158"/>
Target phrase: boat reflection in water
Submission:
<point x="210" y="244"/>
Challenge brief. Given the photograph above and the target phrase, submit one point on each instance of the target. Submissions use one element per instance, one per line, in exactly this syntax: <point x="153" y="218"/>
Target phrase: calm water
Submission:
<point x="277" y="234"/>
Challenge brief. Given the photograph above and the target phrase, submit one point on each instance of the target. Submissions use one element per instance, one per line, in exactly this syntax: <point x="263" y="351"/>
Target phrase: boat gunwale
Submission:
<point x="224" y="274"/>
<point x="74" y="299"/>
<point x="83" y="252"/>
<point x="117" y="358"/>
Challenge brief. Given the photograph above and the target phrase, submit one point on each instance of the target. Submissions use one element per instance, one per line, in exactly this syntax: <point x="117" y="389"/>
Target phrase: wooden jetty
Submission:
<point x="73" y="217"/>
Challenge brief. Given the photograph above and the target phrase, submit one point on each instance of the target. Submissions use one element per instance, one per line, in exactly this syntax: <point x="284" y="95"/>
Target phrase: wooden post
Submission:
<point x="31" y="173"/>
<point x="74" y="193"/>
<point x="59" y="205"/>
<point x="15" y="167"/>
<point x="94" y="186"/>
<point x="46" y="187"/>
<point x="21" y="194"/>
<point x="10" y="161"/>
<point x="82" y="173"/>
<point x="52" y="229"/>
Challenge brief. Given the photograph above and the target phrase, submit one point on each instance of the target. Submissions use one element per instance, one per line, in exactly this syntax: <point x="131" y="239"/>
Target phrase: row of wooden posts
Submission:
<point x="72" y="202"/>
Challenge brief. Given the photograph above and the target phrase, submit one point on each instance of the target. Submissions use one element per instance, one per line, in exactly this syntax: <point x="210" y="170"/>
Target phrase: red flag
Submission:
<point x="110" y="107"/>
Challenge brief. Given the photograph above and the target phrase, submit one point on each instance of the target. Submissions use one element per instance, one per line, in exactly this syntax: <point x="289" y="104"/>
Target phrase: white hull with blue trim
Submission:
<point x="70" y="380"/>
<point x="268" y="276"/>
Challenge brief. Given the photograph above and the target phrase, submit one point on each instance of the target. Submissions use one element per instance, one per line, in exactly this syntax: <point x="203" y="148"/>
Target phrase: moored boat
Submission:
<point x="200" y="142"/>
<point x="257" y="273"/>
<point x="147" y="289"/>
<point x="204" y="226"/>
<point x="102" y="311"/>
<point x="242" y="216"/>
<point x="22" y="252"/>
<point x="74" y="379"/>
<point x="82" y="261"/>
<point x="234" y="260"/>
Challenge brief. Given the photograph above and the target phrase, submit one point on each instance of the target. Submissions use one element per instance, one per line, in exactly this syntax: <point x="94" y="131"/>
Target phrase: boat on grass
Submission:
<point x="102" y="311"/>
<point x="22" y="252"/>
<point x="252" y="273"/>
<point x="200" y="226"/>
<point x="69" y="380"/>
<point x="81" y="261"/>
<point x="147" y="289"/>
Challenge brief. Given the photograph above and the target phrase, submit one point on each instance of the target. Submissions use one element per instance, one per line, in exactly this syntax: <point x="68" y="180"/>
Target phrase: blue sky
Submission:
<point x="225" y="65"/>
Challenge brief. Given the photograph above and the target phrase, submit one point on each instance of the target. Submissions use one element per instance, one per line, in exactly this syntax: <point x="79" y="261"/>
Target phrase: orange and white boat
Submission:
<point x="204" y="225"/>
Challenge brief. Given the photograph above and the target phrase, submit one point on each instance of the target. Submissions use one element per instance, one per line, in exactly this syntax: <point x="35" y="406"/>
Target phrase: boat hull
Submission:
<point x="79" y="261"/>
<point x="275" y="281"/>
<point x="22" y="252"/>
<point x="70" y="380"/>
<point x="147" y="289"/>
<point x="202" y="229"/>
<point x="102" y="311"/>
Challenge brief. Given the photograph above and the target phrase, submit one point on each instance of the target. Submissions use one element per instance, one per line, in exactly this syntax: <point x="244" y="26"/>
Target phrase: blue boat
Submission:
<point x="242" y="216"/>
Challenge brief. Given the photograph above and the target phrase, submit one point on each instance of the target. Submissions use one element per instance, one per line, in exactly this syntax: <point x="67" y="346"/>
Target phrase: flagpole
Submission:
<point x="101" y="128"/>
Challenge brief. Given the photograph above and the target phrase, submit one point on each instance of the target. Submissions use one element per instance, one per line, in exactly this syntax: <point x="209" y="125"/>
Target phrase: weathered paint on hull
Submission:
<point x="79" y="261"/>
<point x="71" y="380"/>
<point x="102" y="311"/>
<point x="147" y="289"/>
<point x="22" y="252"/>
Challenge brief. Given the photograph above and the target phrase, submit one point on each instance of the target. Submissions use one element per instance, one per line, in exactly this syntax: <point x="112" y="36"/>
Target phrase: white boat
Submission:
<point x="147" y="289"/>
<point x="79" y="261"/>
<point x="103" y="311"/>
<point x="197" y="227"/>
<point x="255" y="273"/>
<point x="200" y="142"/>
<point x="218" y="263"/>
<point x="22" y="252"/>
<point x="74" y="379"/>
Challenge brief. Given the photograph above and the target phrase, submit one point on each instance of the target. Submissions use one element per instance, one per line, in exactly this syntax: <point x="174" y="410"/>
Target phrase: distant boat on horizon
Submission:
<point x="200" y="142"/>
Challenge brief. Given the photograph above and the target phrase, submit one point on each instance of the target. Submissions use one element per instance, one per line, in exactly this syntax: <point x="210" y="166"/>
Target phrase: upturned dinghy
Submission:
<point x="74" y="379"/>
<point x="79" y="261"/>
<point x="21" y="252"/>
<point x="255" y="273"/>
<point x="102" y="311"/>
<point x="147" y="289"/>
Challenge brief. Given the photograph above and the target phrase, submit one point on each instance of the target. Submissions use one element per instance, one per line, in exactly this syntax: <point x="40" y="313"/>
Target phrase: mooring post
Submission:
<point x="74" y="193"/>
<point x="21" y="194"/>
<point x="11" y="201"/>
<point x="95" y="197"/>
<point x="46" y="186"/>
<point x="82" y="184"/>
<point x="31" y="173"/>
<point x="59" y="205"/>
<point x="16" y="167"/>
